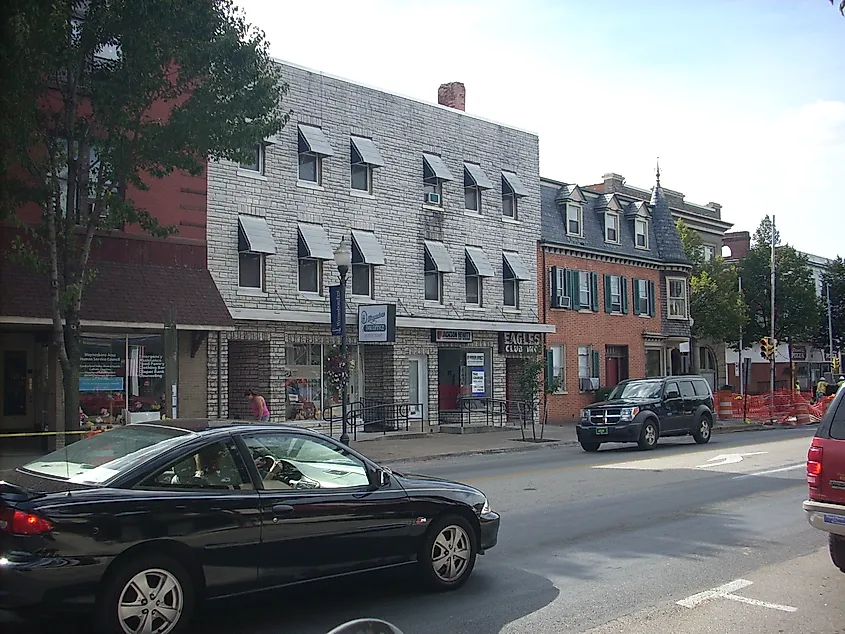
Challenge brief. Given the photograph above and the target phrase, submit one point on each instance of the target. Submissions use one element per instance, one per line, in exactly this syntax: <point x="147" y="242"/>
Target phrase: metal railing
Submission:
<point x="374" y="416"/>
<point x="494" y="411"/>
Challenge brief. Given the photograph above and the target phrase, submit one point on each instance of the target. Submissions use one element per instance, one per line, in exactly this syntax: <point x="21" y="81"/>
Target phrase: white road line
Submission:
<point x="769" y="471"/>
<point x="701" y="597"/>
<point x="762" y="604"/>
<point x="726" y="592"/>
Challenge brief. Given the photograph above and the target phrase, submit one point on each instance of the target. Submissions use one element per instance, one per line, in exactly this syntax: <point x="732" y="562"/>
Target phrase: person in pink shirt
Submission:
<point x="259" y="406"/>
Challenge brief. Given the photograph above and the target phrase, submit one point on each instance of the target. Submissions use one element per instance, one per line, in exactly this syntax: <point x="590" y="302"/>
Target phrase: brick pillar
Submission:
<point x="453" y="95"/>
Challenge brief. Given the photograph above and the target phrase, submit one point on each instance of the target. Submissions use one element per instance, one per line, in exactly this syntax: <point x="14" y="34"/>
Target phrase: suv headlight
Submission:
<point x="585" y="414"/>
<point x="628" y="413"/>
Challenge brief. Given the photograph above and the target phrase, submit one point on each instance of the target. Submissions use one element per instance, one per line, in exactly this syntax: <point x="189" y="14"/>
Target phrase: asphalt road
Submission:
<point x="607" y="542"/>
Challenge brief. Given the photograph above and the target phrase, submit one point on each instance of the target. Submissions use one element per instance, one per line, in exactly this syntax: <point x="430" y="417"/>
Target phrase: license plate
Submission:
<point x="601" y="431"/>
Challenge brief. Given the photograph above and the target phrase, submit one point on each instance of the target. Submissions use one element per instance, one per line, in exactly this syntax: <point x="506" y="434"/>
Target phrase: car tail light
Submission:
<point x="17" y="522"/>
<point x="814" y="466"/>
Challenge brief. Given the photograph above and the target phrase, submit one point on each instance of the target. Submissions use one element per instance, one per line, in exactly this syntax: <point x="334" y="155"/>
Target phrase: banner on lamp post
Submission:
<point x="336" y="307"/>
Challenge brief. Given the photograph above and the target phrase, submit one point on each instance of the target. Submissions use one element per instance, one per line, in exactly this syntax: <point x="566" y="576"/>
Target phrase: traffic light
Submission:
<point x="767" y="348"/>
<point x="834" y="363"/>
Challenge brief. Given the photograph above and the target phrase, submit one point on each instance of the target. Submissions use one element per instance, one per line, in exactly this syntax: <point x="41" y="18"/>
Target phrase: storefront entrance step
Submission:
<point x="474" y="428"/>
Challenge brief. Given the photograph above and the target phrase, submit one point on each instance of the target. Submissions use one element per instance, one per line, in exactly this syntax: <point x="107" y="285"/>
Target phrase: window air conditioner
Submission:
<point x="432" y="198"/>
<point x="562" y="301"/>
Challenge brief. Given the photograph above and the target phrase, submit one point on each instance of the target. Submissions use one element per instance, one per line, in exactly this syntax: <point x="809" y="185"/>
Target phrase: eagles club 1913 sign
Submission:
<point x="520" y="342"/>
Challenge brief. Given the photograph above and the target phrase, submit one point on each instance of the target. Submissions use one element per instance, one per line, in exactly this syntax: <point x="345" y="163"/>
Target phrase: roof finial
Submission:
<point x="658" y="171"/>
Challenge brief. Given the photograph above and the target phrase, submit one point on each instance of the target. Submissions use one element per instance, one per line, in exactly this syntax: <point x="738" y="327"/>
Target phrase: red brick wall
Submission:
<point x="599" y="329"/>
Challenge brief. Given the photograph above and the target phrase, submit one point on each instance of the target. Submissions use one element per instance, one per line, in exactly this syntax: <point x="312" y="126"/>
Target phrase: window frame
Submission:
<point x="642" y="296"/>
<point x="430" y="270"/>
<point x="579" y="220"/>
<point x="615" y="228"/>
<point x="317" y="158"/>
<point x="318" y="274"/>
<point x="506" y="281"/>
<point x="640" y="222"/>
<point x="361" y="265"/>
<point x="670" y="300"/>
<point x="261" y="160"/>
<point x="585" y="276"/>
<point x="509" y="199"/>
<point x="471" y="273"/>
<point x="618" y="280"/>
<point x="262" y="270"/>
<point x="559" y="371"/>
<point x="431" y="184"/>
<point x="361" y="166"/>
<point x="471" y="189"/>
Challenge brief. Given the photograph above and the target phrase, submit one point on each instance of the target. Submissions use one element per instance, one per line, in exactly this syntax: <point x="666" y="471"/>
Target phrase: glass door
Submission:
<point x="417" y="385"/>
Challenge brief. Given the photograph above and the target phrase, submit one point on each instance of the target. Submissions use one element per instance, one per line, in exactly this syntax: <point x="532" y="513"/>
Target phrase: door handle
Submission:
<point x="280" y="510"/>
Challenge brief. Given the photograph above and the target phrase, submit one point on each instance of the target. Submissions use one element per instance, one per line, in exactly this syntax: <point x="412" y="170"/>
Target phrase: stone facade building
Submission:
<point x="442" y="213"/>
<point x="615" y="285"/>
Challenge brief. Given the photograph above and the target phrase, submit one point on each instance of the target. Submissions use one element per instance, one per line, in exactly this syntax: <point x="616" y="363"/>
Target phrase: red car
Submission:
<point x="825" y="509"/>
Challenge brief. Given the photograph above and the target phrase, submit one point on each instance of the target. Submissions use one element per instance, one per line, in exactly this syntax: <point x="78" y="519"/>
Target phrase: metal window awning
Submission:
<point x="315" y="240"/>
<point x="438" y="167"/>
<point x="476" y="173"/>
<point x="515" y="184"/>
<point x="368" y="151"/>
<point x="520" y="271"/>
<point x="438" y="252"/>
<point x="316" y="140"/>
<point x="254" y="236"/>
<point x="479" y="260"/>
<point x="369" y="246"/>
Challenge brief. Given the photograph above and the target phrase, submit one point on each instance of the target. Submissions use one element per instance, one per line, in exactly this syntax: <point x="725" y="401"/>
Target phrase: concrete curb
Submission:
<point x="529" y="446"/>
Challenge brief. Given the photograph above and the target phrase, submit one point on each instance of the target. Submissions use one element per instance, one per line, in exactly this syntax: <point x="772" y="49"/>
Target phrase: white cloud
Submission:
<point x="536" y="69"/>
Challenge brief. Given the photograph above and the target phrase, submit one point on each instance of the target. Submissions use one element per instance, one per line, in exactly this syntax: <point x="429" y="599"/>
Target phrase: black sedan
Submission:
<point x="143" y="522"/>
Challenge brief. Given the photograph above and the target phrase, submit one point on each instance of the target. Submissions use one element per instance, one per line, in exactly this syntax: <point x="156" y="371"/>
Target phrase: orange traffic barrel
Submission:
<point x="724" y="404"/>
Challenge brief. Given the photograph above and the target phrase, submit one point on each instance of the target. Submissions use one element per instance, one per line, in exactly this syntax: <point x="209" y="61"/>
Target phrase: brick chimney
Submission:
<point x="453" y="95"/>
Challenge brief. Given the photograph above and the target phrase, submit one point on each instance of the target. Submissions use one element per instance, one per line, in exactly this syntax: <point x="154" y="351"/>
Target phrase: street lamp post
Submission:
<point x="343" y="259"/>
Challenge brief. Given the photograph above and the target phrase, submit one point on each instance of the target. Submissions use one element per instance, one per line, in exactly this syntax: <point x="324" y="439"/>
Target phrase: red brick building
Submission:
<point x="139" y="282"/>
<point x="615" y="285"/>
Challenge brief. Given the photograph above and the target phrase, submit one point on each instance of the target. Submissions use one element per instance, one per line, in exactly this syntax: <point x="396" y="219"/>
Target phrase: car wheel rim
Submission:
<point x="151" y="602"/>
<point x="450" y="553"/>
<point x="650" y="435"/>
<point x="705" y="429"/>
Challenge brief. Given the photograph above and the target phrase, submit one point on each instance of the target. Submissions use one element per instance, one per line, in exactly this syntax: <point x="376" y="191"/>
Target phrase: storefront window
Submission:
<point x="108" y="385"/>
<point x="303" y="387"/>
<point x="653" y="362"/>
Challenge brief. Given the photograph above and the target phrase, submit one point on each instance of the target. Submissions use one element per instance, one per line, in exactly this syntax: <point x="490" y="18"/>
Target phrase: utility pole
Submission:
<point x="741" y="365"/>
<point x="772" y="331"/>
<point x="830" y="328"/>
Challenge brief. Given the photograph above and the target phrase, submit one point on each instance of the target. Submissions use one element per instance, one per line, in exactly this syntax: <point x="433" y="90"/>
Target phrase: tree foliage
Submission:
<point x="835" y="278"/>
<point x="716" y="305"/>
<point x="99" y="95"/>
<point x="797" y="306"/>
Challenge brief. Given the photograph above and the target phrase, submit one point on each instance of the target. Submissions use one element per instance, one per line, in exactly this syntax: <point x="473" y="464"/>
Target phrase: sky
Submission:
<point x="742" y="100"/>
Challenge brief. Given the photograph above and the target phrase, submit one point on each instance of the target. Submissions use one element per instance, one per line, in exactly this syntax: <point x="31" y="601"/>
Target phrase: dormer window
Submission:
<point x="611" y="227"/>
<point x="574" y="224"/>
<point x="641" y="233"/>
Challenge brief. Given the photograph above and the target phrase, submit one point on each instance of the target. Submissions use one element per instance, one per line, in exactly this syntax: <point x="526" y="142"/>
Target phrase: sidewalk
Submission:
<point x="397" y="448"/>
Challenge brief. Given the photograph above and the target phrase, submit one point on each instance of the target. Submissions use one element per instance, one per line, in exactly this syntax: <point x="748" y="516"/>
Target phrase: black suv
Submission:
<point x="643" y="410"/>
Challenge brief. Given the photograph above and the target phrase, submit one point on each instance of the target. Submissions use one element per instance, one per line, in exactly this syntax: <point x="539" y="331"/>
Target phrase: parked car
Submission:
<point x="825" y="508"/>
<point x="142" y="522"/>
<point x="643" y="410"/>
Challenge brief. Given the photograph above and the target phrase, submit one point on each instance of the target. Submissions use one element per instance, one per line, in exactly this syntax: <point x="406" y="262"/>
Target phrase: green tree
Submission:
<point x="797" y="306"/>
<point x="110" y="93"/>
<point x="716" y="304"/>
<point x="835" y="278"/>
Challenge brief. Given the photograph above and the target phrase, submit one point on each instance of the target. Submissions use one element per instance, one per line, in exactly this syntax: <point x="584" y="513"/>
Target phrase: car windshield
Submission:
<point x="637" y="390"/>
<point x="102" y="457"/>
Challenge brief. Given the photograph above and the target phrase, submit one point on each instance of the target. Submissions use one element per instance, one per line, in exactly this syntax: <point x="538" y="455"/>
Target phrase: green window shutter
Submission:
<point x="635" y="294"/>
<point x="574" y="282"/>
<point x="596" y="368"/>
<point x="554" y="291"/>
<point x="550" y="369"/>
<point x="594" y="292"/>
<point x="651" y="299"/>
<point x="606" y="293"/>
<point x="623" y="286"/>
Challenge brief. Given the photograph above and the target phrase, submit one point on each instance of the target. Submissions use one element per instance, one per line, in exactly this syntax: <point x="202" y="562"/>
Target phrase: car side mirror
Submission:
<point x="384" y="476"/>
<point x="366" y="626"/>
<point x="671" y="395"/>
